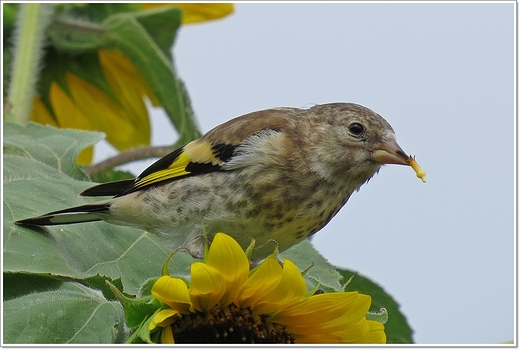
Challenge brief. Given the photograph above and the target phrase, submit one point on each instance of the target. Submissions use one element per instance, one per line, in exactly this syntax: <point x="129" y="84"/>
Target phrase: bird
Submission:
<point x="273" y="176"/>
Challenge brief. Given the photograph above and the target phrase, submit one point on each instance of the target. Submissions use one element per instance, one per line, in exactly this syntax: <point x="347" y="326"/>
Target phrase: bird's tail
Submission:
<point x="83" y="213"/>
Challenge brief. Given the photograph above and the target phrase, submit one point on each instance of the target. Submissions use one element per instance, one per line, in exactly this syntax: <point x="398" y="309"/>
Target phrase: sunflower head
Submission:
<point x="227" y="302"/>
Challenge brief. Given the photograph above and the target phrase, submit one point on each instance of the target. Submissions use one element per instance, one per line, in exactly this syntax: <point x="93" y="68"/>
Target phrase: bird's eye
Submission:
<point x="356" y="128"/>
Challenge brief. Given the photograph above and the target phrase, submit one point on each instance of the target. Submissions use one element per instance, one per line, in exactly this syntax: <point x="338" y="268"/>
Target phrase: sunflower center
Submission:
<point x="228" y="325"/>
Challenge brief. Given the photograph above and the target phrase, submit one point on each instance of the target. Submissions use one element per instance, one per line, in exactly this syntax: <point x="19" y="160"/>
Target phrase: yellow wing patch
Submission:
<point x="176" y="169"/>
<point x="201" y="152"/>
<point x="194" y="158"/>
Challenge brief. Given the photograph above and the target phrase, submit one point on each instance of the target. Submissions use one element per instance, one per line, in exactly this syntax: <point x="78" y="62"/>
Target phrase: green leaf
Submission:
<point x="43" y="266"/>
<point x="397" y="329"/>
<point x="146" y="287"/>
<point x="32" y="186"/>
<point x="136" y="309"/>
<point x="55" y="147"/>
<point x="76" y="251"/>
<point x="70" y="313"/>
<point x="162" y="25"/>
<point x="99" y="12"/>
<point x="322" y="272"/>
<point x="16" y="285"/>
<point x="142" y="334"/>
<point x="101" y="283"/>
<point x="108" y="175"/>
<point x="10" y="12"/>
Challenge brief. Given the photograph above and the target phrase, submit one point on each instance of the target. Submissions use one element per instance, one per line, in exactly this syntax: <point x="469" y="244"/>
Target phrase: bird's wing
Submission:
<point x="197" y="157"/>
<point x="204" y="155"/>
<point x="107" y="189"/>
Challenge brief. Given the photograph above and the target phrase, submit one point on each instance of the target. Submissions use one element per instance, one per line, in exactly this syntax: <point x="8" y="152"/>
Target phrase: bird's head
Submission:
<point x="351" y="142"/>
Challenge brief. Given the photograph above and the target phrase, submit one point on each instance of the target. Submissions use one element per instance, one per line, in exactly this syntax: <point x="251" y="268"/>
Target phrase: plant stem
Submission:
<point x="127" y="157"/>
<point x="29" y="40"/>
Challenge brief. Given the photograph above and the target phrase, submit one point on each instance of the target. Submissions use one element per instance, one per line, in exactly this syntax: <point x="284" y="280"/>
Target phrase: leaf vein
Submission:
<point x="130" y="247"/>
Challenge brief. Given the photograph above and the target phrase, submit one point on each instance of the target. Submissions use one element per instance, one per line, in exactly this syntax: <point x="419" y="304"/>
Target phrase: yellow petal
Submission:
<point x="66" y="110"/>
<point x="228" y="257"/>
<point x="85" y="156"/>
<point x="173" y="292"/>
<point x="116" y="62"/>
<point x="320" y="338"/>
<point x="333" y="303"/>
<point x="371" y="335"/>
<point x="265" y="278"/>
<point x="352" y="333"/>
<point x="129" y="87"/>
<point x="40" y="114"/>
<point x="331" y="318"/>
<point x="69" y="116"/>
<point x="289" y="291"/>
<point x="167" y="336"/>
<point x="105" y="114"/>
<point x="206" y="288"/>
<point x="321" y="313"/>
<point x="375" y="335"/>
<point x="163" y="318"/>
<point x="194" y="13"/>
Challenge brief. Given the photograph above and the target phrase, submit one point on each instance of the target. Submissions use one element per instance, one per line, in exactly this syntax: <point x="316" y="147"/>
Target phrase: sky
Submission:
<point x="442" y="74"/>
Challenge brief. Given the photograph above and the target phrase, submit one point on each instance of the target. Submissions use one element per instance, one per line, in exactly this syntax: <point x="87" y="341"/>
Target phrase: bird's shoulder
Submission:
<point x="239" y="129"/>
<point x="231" y="145"/>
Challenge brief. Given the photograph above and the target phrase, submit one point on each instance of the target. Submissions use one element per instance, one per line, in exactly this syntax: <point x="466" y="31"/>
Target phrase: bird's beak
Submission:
<point x="389" y="152"/>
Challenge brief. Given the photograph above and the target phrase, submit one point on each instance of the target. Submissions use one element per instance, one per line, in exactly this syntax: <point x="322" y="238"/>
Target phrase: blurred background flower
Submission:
<point x="88" y="82"/>
<point x="195" y="13"/>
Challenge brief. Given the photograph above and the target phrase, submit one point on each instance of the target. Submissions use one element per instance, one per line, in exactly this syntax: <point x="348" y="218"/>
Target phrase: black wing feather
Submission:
<point x="108" y="189"/>
<point x="221" y="151"/>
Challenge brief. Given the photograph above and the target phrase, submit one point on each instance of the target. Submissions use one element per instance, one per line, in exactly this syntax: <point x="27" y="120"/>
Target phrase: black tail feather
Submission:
<point x="82" y="213"/>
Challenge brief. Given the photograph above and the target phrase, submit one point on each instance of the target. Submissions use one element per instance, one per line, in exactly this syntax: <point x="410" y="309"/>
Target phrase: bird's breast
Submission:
<point x="277" y="207"/>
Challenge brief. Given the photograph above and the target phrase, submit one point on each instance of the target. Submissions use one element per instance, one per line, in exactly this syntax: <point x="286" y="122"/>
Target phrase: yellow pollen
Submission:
<point x="416" y="167"/>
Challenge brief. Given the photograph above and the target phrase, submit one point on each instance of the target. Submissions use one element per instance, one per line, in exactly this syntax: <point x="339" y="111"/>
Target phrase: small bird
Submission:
<point x="273" y="175"/>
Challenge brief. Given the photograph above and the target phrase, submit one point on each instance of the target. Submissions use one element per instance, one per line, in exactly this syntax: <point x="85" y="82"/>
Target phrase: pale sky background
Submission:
<point x="442" y="74"/>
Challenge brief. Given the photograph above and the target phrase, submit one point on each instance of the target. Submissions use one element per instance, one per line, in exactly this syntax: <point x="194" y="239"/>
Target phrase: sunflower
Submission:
<point x="225" y="302"/>
<point x="197" y="12"/>
<point x="82" y="105"/>
<point x="103" y="90"/>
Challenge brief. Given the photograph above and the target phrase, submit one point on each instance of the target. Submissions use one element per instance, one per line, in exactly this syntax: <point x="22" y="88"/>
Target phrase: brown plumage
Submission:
<point x="274" y="175"/>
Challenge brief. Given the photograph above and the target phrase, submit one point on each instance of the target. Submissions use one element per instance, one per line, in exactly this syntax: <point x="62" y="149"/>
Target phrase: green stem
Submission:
<point x="127" y="157"/>
<point x="29" y="41"/>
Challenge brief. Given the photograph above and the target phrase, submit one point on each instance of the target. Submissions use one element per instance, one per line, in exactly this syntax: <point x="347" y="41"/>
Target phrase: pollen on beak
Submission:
<point x="389" y="152"/>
